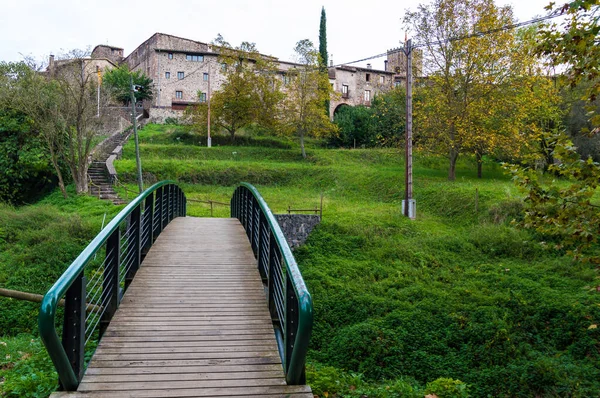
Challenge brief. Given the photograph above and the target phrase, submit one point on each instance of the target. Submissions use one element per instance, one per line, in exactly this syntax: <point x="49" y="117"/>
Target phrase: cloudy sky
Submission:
<point x="355" y="29"/>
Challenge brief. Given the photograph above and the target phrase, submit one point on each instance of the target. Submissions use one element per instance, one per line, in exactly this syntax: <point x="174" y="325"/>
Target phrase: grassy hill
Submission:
<point x="458" y="293"/>
<point x="456" y="302"/>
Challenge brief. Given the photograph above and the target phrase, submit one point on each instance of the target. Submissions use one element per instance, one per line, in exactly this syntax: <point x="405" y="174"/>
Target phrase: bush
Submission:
<point x="447" y="388"/>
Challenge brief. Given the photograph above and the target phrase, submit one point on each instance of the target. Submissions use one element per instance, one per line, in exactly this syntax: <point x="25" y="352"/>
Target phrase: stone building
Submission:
<point x="182" y="69"/>
<point x="357" y="86"/>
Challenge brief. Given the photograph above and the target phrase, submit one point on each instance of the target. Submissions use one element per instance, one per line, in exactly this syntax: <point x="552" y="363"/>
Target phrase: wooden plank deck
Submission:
<point x="193" y="323"/>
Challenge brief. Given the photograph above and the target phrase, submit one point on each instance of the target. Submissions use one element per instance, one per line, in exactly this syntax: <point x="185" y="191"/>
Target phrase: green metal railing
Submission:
<point x="290" y="303"/>
<point x="94" y="283"/>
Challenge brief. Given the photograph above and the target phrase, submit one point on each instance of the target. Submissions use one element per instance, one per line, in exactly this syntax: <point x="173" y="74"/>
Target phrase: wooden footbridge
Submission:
<point x="162" y="305"/>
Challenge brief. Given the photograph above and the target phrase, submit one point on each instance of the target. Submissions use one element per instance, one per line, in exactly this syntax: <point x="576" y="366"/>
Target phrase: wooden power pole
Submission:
<point x="408" y="204"/>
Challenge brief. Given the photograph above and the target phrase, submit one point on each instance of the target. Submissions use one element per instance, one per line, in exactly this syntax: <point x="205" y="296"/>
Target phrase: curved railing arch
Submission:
<point x="92" y="286"/>
<point x="290" y="303"/>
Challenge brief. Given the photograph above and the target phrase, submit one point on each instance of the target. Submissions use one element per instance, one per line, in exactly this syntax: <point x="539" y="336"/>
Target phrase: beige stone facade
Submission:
<point x="357" y="86"/>
<point x="181" y="70"/>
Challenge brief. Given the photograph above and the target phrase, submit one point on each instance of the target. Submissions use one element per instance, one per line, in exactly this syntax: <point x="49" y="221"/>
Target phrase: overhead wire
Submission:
<point x="555" y="14"/>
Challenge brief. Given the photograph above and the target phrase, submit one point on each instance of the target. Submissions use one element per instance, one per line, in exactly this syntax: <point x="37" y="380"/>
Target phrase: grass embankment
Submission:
<point x="37" y="243"/>
<point x="457" y="293"/>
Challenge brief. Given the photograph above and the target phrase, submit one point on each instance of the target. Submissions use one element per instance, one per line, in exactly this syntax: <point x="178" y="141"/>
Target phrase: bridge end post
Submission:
<point x="73" y="339"/>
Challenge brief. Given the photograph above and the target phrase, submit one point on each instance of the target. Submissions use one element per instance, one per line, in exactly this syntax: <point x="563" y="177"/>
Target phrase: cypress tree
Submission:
<point x="323" y="39"/>
<point x="323" y="51"/>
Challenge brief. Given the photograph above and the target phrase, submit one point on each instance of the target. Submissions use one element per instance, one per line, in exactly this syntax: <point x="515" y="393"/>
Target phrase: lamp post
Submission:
<point x="135" y="134"/>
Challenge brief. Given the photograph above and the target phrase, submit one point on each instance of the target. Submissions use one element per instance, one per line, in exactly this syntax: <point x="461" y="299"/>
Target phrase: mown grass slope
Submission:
<point x="457" y="293"/>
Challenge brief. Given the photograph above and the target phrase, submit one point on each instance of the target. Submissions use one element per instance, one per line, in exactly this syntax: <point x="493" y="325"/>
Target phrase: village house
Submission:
<point x="183" y="70"/>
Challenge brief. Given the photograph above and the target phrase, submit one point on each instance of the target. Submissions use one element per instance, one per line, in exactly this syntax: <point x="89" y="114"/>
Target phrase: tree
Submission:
<point x="303" y="104"/>
<point x="62" y="103"/>
<point x="463" y="73"/>
<point x="565" y="211"/>
<point x="249" y="95"/>
<point x="117" y="81"/>
<point x="324" y="57"/>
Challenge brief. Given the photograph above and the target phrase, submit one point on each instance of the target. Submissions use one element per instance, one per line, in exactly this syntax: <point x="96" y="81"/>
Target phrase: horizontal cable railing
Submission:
<point x="94" y="284"/>
<point x="290" y="303"/>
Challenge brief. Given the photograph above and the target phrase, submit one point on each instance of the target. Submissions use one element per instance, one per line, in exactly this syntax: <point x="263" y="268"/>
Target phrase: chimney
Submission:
<point x="51" y="63"/>
<point x="368" y="66"/>
<point x="385" y="65"/>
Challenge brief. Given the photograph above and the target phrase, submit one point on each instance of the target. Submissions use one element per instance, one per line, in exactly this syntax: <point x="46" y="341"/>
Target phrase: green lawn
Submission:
<point x="402" y="307"/>
<point x="457" y="293"/>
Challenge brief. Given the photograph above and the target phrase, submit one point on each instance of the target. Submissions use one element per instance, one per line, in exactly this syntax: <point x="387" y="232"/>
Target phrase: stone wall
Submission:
<point x="297" y="227"/>
<point x="358" y="81"/>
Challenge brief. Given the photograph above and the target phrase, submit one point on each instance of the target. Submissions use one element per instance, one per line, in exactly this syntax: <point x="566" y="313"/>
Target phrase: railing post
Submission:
<point x="262" y="247"/>
<point x="149" y="215"/>
<point x="273" y="253"/>
<point x="170" y="202"/>
<point x="291" y="320"/>
<point x="158" y="207"/>
<point x="135" y="237"/>
<point x="73" y="338"/>
<point x="110" y="283"/>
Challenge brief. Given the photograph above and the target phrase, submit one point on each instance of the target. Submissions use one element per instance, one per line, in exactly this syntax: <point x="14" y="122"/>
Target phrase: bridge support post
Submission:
<point x="149" y="220"/>
<point x="73" y="338"/>
<point x="291" y="324"/>
<point x="135" y="236"/>
<point x="110" y="283"/>
<point x="263" y="248"/>
<point x="158" y="207"/>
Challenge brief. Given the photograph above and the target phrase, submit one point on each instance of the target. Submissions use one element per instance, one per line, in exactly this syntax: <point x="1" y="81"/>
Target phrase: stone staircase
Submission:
<point x="100" y="185"/>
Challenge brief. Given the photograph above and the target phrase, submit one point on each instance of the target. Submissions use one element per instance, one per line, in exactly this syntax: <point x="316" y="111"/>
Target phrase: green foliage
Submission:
<point x="172" y="121"/>
<point x="566" y="213"/>
<point x="250" y="94"/>
<point x="382" y="124"/>
<point x="25" y="368"/>
<point x="26" y="167"/>
<point x="458" y="293"/>
<point x="355" y="127"/>
<point x="447" y="388"/>
<point x="118" y="82"/>
<point x="37" y="243"/>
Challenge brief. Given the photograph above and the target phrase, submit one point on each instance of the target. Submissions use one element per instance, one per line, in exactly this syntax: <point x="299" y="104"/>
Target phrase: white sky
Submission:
<point x="355" y="29"/>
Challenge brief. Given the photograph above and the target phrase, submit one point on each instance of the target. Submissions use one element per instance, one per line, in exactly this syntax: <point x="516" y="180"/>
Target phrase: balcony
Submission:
<point x="346" y="94"/>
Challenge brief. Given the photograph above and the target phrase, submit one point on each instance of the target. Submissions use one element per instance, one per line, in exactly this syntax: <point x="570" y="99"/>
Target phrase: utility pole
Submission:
<point x="135" y="135"/>
<point x="99" y="73"/>
<point x="409" y="205"/>
<point x="208" y="141"/>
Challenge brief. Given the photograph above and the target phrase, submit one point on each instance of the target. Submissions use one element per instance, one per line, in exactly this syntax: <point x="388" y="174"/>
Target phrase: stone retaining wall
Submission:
<point x="297" y="227"/>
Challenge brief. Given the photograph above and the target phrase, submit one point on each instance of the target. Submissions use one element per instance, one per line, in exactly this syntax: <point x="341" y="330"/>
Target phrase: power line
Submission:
<point x="555" y="14"/>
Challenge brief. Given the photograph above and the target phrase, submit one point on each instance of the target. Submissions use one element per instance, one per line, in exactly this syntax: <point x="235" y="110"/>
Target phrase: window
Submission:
<point x="194" y="58"/>
<point x="368" y="77"/>
<point x="367" y="95"/>
<point x="202" y="97"/>
<point x="170" y="55"/>
<point x="167" y="75"/>
<point x="179" y="94"/>
<point x="344" y="89"/>
<point x="397" y="83"/>
<point x="223" y="66"/>
<point x="381" y="79"/>
<point x="286" y="79"/>
<point x="180" y="75"/>
<point x="205" y="77"/>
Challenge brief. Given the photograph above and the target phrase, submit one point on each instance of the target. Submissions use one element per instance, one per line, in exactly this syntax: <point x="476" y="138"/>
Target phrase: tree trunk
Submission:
<point x="81" y="182"/>
<point x="479" y="158"/>
<point x="302" y="145"/>
<point x="61" y="181"/>
<point x="452" y="171"/>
